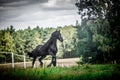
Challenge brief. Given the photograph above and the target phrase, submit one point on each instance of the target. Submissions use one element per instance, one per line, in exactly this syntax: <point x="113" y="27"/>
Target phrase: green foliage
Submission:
<point x="94" y="43"/>
<point x="101" y="19"/>
<point x="6" y="42"/>
<point x="2" y="58"/>
<point x="70" y="41"/>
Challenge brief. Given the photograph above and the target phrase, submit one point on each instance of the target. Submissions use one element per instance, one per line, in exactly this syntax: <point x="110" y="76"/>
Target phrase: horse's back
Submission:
<point x="40" y="51"/>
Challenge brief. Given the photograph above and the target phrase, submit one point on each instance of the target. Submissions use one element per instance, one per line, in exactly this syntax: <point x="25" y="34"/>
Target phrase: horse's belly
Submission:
<point x="43" y="53"/>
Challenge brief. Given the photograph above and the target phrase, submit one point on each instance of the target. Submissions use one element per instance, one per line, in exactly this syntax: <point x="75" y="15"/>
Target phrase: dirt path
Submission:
<point x="60" y="62"/>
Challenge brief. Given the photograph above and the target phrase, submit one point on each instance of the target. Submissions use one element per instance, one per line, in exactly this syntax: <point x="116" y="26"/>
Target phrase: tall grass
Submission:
<point x="85" y="72"/>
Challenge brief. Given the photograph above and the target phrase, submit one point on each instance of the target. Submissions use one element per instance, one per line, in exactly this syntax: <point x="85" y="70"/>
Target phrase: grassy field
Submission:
<point x="84" y="72"/>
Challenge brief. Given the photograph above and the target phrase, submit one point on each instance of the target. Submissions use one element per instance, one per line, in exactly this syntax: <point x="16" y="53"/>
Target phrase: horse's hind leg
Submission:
<point x="53" y="59"/>
<point x="40" y="60"/>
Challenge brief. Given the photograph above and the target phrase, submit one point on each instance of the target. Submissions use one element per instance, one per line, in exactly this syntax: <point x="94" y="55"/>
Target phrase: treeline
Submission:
<point x="91" y="41"/>
<point x="96" y="44"/>
<point x="21" y="41"/>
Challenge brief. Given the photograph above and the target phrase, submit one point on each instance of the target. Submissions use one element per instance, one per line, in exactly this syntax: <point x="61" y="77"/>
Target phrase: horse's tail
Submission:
<point x="29" y="54"/>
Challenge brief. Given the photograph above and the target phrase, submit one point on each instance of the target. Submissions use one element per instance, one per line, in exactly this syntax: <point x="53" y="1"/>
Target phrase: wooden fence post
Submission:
<point x="12" y="60"/>
<point x="24" y="62"/>
<point x="34" y="65"/>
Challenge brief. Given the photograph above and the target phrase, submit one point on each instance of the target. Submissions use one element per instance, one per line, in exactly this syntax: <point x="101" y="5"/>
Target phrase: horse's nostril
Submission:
<point x="61" y="40"/>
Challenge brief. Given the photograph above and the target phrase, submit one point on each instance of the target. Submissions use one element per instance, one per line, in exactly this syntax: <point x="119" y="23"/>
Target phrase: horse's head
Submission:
<point x="57" y="35"/>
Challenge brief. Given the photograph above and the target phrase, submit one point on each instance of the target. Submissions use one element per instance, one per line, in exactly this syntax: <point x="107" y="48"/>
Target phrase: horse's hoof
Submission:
<point x="41" y="66"/>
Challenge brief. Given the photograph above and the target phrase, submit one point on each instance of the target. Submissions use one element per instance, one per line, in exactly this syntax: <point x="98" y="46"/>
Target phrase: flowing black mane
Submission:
<point x="49" y="48"/>
<point x="50" y="41"/>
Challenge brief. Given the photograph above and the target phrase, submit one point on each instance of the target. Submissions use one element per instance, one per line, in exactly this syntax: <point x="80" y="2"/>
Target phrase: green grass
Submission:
<point x="85" y="72"/>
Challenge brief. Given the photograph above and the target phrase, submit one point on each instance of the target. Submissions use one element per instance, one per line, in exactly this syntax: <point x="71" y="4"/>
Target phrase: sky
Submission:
<point x="43" y="13"/>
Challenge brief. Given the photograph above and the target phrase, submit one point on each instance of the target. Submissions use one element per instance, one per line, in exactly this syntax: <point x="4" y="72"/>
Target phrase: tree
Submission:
<point x="11" y="30"/>
<point x="107" y="10"/>
<point x="7" y="42"/>
<point x="6" y="45"/>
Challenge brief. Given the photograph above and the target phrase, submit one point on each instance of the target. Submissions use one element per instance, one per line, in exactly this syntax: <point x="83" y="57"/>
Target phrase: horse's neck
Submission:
<point x="51" y="41"/>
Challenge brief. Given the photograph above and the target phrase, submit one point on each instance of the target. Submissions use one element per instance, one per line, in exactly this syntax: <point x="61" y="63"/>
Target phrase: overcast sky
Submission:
<point x="44" y="13"/>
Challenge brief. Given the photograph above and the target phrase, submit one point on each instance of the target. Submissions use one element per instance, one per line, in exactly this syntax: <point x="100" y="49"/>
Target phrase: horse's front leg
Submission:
<point x="52" y="62"/>
<point x="40" y="60"/>
<point x="33" y="61"/>
<point x="53" y="59"/>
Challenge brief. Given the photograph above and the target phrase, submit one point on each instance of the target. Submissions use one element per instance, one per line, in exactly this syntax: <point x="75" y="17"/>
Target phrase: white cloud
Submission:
<point x="59" y="4"/>
<point x="50" y="3"/>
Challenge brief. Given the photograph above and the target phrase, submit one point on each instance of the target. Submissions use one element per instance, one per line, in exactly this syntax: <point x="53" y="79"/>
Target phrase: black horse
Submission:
<point x="49" y="48"/>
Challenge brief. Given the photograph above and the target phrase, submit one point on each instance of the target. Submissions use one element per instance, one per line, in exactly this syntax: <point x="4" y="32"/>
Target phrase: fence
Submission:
<point x="13" y="59"/>
<point x="60" y="62"/>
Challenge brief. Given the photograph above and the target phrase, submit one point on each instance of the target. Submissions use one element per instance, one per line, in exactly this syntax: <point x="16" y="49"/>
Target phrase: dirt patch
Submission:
<point x="60" y="62"/>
